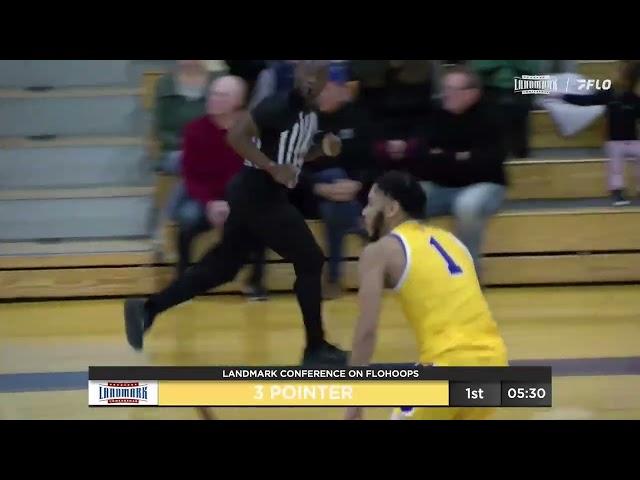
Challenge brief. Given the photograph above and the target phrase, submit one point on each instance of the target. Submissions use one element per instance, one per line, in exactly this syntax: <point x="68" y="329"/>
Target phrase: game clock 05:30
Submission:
<point x="520" y="394"/>
<point x="526" y="392"/>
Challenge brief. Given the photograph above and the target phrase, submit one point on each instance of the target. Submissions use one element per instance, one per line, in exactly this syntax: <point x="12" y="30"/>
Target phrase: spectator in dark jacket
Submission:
<point x="463" y="168"/>
<point x="623" y="112"/>
<point x="208" y="165"/>
<point x="398" y="108"/>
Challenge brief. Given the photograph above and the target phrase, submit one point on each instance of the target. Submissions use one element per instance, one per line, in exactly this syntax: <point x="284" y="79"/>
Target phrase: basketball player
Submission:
<point x="275" y="139"/>
<point x="433" y="276"/>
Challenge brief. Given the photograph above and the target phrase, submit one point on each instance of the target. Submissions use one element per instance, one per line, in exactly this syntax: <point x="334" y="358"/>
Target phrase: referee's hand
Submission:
<point x="284" y="174"/>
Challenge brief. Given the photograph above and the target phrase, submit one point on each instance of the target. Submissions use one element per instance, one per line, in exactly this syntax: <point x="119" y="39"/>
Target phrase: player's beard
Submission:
<point x="376" y="227"/>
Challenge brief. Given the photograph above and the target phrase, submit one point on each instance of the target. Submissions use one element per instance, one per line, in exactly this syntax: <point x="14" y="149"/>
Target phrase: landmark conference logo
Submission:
<point x="548" y="84"/>
<point x="125" y="393"/>
<point x="535" y="84"/>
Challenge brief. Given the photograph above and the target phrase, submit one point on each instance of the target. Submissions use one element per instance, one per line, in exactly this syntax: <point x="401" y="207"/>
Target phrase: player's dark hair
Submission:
<point x="406" y="190"/>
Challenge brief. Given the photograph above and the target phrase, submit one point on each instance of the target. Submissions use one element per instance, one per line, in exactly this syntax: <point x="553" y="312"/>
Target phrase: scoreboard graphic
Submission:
<point x="373" y="386"/>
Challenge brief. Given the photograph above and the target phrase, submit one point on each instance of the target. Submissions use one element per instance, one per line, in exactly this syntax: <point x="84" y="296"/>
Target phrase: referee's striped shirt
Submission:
<point x="287" y="128"/>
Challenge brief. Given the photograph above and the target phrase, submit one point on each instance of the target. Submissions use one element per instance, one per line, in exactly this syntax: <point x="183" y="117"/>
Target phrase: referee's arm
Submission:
<point x="240" y="137"/>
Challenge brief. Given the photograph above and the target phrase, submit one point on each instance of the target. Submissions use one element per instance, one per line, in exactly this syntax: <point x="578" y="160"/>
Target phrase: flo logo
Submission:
<point x="584" y="84"/>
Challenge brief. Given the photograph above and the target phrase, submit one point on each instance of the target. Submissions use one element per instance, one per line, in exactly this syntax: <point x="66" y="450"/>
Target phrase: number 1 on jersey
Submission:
<point x="454" y="268"/>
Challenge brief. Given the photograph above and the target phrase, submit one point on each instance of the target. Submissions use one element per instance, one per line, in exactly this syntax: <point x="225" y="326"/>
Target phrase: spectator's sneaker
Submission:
<point x="136" y="322"/>
<point x="325" y="355"/>
<point x="256" y="293"/>
<point x="618" y="199"/>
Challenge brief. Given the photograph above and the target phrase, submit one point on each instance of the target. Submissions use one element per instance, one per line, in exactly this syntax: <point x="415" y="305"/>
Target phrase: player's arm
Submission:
<point x="371" y="273"/>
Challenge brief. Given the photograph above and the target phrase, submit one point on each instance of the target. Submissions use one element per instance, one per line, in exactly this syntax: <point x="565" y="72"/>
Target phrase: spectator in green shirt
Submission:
<point x="180" y="99"/>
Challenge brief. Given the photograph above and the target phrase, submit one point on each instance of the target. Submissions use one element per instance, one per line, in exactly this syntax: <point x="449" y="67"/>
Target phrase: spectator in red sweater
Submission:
<point x="208" y="164"/>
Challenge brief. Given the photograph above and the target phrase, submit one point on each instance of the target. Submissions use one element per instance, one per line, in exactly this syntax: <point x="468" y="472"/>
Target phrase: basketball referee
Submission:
<point x="275" y="139"/>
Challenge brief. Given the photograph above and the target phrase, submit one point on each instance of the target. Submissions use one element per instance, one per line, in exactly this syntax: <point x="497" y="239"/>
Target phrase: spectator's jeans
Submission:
<point x="340" y="218"/>
<point x="170" y="165"/>
<point x="471" y="206"/>
<point x="192" y="221"/>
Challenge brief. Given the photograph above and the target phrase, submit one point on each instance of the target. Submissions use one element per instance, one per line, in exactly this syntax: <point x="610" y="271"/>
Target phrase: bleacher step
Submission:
<point x="146" y="279"/>
<point x="554" y="227"/>
<point x="76" y="73"/>
<point x="68" y="193"/>
<point x="70" y="92"/>
<point x="75" y="213"/>
<point x="58" y="166"/>
<point x="75" y="253"/>
<point x="73" y="141"/>
<point x="599" y="69"/>
<point x="544" y="134"/>
<point x="74" y="111"/>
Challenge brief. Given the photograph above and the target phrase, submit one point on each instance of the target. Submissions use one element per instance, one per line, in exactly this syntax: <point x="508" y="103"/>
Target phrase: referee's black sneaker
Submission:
<point x="325" y="355"/>
<point x="136" y="321"/>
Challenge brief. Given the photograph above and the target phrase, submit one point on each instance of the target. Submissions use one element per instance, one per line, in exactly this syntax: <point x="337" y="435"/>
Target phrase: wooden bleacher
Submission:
<point x="542" y="246"/>
<point x="599" y="69"/>
<point x="545" y="243"/>
<point x="561" y="179"/>
<point x="543" y="133"/>
<point x="60" y="193"/>
<point x="83" y="141"/>
<point x="529" y="179"/>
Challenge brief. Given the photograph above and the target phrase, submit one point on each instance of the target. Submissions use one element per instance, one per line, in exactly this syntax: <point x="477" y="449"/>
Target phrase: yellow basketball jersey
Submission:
<point x="442" y="299"/>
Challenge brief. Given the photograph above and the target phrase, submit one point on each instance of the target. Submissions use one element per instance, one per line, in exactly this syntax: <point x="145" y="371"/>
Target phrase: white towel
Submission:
<point x="569" y="119"/>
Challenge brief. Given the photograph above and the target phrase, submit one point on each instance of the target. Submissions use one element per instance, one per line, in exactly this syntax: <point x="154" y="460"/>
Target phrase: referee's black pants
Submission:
<point x="260" y="215"/>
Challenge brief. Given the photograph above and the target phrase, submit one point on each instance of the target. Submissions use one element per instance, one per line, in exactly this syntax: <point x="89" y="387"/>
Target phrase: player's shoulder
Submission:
<point x="382" y="249"/>
<point x="376" y="256"/>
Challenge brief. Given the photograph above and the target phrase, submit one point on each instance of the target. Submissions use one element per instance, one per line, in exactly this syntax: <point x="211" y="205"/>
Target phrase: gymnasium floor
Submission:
<point x="590" y="335"/>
